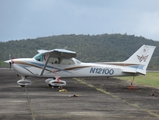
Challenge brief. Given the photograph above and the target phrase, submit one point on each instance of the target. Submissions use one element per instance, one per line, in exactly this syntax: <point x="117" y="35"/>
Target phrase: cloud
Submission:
<point x="22" y="19"/>
<point x="148" y="25"/>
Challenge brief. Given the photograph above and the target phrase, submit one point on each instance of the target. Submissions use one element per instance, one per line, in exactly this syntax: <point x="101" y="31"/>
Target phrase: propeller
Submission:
<point x="10" y="61"/>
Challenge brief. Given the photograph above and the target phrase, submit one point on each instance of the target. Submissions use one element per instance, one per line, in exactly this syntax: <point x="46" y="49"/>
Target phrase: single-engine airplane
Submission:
<point x="58" y="63"/>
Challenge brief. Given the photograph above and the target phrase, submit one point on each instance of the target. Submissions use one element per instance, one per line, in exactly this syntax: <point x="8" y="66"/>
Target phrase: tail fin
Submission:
<point x="141" y="58"/>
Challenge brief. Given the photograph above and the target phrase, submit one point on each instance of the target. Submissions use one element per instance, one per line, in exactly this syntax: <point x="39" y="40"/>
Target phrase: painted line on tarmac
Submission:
<point x="30" y="104"/>
<point x="114" y="96"/>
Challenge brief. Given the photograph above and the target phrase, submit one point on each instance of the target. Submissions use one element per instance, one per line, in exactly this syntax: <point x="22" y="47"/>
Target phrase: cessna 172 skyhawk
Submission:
<point x="57" y="63"/>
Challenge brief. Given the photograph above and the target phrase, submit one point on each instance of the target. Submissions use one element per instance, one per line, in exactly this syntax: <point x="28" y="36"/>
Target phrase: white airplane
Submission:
<point x="58" y="63"/>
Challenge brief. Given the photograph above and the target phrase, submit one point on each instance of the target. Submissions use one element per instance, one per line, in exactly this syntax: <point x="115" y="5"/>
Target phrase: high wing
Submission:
<point x="58" y="53"/>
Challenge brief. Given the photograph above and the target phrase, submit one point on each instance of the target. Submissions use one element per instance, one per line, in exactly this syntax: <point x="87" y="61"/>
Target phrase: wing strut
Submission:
<point x="48" y="56"/>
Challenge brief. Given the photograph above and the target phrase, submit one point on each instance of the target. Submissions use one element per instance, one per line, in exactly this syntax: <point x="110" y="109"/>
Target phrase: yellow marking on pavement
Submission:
<point x="114" y="96"/>
<point x="30" y="105"/>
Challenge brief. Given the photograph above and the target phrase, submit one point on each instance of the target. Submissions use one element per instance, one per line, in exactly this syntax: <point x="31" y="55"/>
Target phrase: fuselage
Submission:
<point x="67" y="68"/>
<point x="57" y="63"/>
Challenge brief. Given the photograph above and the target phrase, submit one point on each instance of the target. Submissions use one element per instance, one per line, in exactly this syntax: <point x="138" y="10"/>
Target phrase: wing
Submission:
<point x="59" y="53"/>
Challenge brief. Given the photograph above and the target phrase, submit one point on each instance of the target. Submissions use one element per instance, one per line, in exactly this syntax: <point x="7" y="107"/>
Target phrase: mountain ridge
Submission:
<point x="89" y="48"/>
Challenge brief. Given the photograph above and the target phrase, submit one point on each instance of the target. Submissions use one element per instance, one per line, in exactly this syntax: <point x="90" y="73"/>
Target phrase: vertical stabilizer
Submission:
<point x="141" y="58"/>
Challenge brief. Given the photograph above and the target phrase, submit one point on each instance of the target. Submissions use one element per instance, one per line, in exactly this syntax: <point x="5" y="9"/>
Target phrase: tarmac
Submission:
<point x="85" y="99"/>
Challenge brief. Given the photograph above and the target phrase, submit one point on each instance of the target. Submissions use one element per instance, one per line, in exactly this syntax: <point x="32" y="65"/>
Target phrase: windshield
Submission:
<point x="38" y="57"/>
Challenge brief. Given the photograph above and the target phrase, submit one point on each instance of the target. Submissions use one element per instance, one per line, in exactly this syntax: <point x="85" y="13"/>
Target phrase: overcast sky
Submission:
<point x="23" y="19"/>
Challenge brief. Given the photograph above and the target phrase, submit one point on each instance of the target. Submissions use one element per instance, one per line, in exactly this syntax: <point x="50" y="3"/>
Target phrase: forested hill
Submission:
<point x="94" y="48"/>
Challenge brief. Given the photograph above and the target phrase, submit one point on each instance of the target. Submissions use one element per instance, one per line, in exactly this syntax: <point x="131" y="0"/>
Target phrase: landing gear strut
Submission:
<point x="131" y="85"/>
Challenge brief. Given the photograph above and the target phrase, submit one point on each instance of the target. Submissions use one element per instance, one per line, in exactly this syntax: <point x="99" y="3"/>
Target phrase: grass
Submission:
<point x="150" y="79"/>
<point x="3" y="64"/>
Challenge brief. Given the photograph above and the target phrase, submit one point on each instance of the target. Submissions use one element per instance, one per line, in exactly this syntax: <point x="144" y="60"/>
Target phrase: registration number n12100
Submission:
<point x="106" y="71"/>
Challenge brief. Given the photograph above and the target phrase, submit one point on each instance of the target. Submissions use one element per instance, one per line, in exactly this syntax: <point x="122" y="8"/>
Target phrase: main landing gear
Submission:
<point x="55" y="82"/>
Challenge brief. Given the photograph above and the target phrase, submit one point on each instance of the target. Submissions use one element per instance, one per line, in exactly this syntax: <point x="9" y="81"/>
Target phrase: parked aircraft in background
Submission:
<point x="58" y="63"/>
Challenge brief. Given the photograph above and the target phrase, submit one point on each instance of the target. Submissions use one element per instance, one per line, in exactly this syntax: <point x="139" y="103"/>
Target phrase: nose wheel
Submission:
<point x="24" y="82"/>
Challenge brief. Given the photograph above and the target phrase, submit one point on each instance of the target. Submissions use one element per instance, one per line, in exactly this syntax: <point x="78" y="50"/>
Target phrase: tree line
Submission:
<point x="89" y="48"/>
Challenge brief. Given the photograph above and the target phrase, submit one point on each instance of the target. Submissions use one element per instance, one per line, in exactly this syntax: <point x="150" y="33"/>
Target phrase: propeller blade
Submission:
<point x="9" y="62"/>
<point x="10" y="65"/>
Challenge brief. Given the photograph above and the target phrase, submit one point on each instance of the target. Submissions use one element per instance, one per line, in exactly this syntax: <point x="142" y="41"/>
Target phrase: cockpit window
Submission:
<point x="39" y="57"/>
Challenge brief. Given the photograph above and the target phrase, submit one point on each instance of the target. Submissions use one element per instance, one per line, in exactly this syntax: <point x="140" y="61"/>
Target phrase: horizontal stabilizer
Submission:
<point x="129" y="70"/>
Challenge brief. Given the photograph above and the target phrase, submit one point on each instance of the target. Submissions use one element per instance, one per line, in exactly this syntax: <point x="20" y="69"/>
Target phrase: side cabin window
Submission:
<point x="67" y="62"/>
<point x="61" y="61"/>
<point x="39" y="57"/>
<point x="54" y="60"/>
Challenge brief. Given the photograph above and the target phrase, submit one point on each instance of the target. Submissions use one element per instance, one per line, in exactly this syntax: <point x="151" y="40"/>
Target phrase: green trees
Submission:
<point x="89" y="48"/>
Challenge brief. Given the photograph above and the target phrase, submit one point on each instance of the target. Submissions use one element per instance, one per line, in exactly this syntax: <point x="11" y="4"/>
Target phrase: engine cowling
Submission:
<point x="25" y="82"/>
<point x="55" y="82"/>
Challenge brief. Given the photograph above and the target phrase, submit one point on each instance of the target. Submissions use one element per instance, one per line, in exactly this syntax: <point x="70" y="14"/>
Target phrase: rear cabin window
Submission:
<point x="67" y="62"/>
